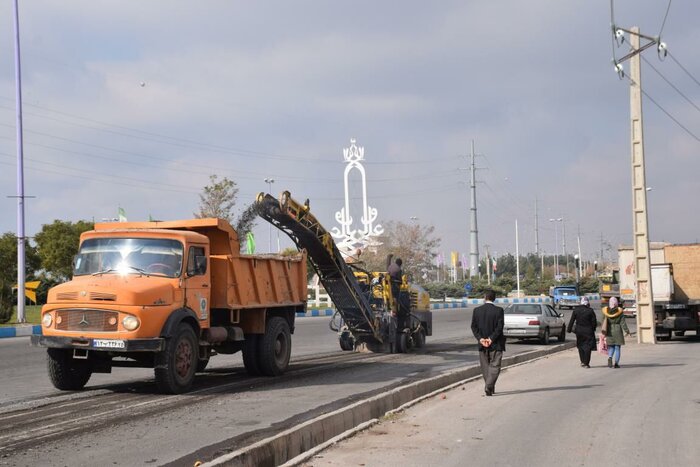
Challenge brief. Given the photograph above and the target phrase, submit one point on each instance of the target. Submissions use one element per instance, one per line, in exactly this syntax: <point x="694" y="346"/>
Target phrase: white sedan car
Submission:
<point x="531" y="320"/>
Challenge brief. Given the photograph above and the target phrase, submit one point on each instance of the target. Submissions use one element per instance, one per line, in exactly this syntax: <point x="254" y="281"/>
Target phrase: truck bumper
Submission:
<point x="110" y="345"/>
<point x="679" y="323"/>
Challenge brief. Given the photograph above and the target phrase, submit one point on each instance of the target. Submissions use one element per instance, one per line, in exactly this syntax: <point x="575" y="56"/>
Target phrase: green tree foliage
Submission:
<point x="57" y="245"/>
<point x="8" y="271"/>
<point x="416" y="245"/>
<point x="218" y="199"/>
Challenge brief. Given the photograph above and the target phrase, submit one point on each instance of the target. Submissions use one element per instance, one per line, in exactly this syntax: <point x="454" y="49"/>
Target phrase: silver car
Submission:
<point x="530" y="320"/>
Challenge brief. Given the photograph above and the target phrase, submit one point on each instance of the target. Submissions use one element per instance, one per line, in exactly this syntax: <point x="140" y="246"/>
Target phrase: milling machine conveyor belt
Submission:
<point x="336" y="276"/>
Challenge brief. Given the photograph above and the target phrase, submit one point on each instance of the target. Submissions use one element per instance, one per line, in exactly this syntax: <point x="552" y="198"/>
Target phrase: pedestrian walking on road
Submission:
<point x="613" y="326"/>
<point x="487" y="327"/>
<point x="583" y="322"/>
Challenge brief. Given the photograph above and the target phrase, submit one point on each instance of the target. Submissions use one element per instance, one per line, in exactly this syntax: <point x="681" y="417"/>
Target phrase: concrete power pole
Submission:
<point x="646" y="329"/>
<point x="473" y="232"/>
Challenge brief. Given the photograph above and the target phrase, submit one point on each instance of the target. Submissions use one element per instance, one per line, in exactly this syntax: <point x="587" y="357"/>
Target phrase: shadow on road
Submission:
<point x="648" y="365"/>
<point x="555" y="388"/>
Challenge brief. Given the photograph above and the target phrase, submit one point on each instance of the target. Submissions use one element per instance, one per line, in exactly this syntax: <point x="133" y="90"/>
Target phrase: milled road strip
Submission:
<point x="293" y="442"/>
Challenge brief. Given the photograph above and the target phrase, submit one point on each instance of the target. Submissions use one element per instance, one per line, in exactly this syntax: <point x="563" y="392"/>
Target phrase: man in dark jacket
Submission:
<point x="583" y="322"/>
<point x="487" y="326"/>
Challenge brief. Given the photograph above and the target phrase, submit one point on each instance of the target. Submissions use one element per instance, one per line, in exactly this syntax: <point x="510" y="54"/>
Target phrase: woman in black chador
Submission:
<point x="583" y="322"/>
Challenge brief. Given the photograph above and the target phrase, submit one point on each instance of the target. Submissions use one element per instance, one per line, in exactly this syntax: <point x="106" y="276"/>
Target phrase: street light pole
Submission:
<point x="556" y="244"/>
<point x="269" y="182"/>
<point x="21" y="253"/>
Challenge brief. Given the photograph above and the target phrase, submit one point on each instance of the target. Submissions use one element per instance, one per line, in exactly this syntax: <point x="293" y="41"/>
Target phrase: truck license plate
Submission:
<point x="109" y="343"/>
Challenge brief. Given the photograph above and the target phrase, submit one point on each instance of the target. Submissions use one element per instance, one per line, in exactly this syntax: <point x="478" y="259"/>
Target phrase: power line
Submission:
<point x="193" y="144"/>
<point x="671" y="84"/>
<point x="668" y="8"/>
<point x="668" y="114"/>
<point x="683" y="68"/>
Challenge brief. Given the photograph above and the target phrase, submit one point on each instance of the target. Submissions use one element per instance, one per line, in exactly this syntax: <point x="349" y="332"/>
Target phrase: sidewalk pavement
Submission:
<point x="547" y="412"/>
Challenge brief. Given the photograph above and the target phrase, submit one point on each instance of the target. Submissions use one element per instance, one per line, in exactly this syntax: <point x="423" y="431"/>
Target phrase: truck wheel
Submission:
<point x="250" y="354"/>
<point x="401" y="342"/>
<point x="562" y="335"/>
<point x="177" y="364"/>
<point x="346" y="342"/>
<point x="545" y="337"/>
<point x="420" y="339"/>
<point x="67" y="373"/>
<point x="202" y="364"/>
<point x="275" y="347"/>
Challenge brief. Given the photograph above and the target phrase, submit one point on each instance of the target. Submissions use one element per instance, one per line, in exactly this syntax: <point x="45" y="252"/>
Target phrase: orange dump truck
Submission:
<point x="168" y="296"/>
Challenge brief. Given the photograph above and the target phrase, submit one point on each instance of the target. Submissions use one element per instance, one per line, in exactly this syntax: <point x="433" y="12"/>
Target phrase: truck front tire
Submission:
<point x="67" y="373"/>
<point x="275" y="347"/>
<point x="177" y="364"/>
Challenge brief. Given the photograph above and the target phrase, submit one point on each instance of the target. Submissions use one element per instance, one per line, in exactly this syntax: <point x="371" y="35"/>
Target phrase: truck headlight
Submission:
<point x="47" y="320"/>
<point x="131" y="323"/>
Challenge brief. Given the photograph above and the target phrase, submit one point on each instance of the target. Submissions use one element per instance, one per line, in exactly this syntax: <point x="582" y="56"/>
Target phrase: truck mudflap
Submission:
<point x="111" y="345"/>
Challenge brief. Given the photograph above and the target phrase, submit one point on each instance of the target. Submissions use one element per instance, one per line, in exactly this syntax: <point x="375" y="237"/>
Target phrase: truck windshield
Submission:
<point x="150" y="256"/>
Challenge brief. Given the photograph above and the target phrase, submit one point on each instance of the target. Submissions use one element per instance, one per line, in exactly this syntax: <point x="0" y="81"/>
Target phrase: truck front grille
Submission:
<point x="87" y="320"/>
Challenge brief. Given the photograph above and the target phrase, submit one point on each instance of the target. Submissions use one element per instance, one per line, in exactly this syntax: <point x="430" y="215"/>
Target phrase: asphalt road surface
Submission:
<point x="550" y="412"/>
<point x="120" y="419"/>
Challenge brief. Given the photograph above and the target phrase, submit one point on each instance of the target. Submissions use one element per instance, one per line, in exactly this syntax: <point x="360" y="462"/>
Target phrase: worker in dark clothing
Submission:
<point x="583" y="322"/>
<point x="396" y="278"/>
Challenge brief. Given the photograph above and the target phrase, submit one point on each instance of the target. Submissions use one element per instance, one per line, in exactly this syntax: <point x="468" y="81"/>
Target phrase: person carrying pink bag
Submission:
<point x="613" y="326"/>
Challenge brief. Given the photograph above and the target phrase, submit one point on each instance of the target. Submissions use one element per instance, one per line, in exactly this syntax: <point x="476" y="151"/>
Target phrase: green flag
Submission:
<point x="250" y="243"/>
<point x="122" y="215"/>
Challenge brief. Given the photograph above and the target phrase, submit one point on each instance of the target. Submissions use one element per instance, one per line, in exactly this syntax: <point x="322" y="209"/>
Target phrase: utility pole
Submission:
<point x="537" y="232"/>
<point x="556" y="245"/>
<point x="517" y="258"/>
<point x="474" y="232"/>
<point x="646" y="328"/>
<point x="488" y="265"/>
<point x="563" y="245"/>
<point x="580" y="258"/>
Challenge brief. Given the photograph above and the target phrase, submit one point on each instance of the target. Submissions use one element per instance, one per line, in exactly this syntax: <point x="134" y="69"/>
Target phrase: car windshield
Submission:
<point x="149" y="256"/>
<point x="523" y="310"/>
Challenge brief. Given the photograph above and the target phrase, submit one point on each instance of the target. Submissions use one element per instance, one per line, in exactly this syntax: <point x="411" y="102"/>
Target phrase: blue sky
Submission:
<point x="250" y="90"/>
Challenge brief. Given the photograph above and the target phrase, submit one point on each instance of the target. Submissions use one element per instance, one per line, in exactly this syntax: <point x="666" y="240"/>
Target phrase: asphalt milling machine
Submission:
<point x="368" y="316"/>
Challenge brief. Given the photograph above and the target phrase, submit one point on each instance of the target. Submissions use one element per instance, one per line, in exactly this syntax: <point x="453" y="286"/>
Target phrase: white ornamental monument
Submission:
<point x="351" y="238"/>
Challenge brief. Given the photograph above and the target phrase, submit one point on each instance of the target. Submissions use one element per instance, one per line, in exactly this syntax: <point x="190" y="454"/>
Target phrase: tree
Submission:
<point x="8" y="271"/>
<point x="416" y="245"/>
<point x="57" y="245"/>
<point x="218" y="199"/>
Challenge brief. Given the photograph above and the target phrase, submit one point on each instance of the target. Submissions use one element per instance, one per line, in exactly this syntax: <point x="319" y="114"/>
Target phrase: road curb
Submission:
<point x="293" y="442"/>
<point x="19" y="331"/>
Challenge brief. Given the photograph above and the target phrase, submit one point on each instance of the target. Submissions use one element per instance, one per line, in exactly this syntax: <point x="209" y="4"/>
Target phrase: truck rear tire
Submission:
<point x="275" y="347"/>
<point x="177" y="364"/>
<point x="250" y="354"/>
<point x="67" y="373"/>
